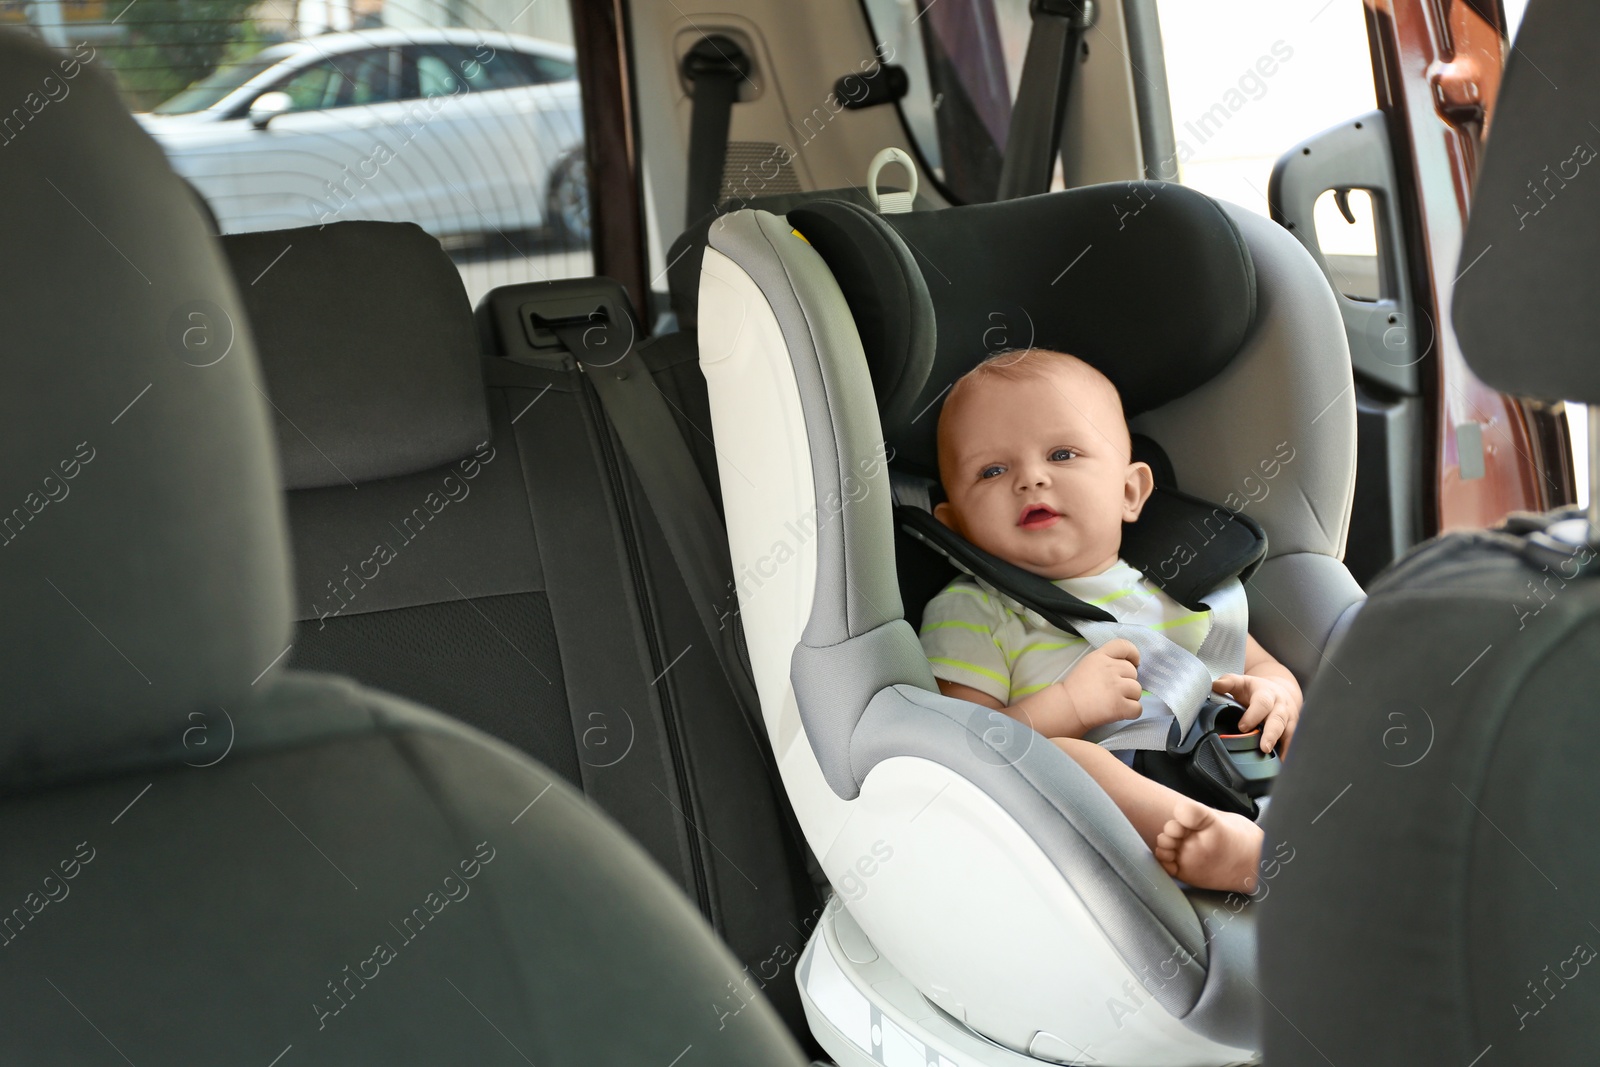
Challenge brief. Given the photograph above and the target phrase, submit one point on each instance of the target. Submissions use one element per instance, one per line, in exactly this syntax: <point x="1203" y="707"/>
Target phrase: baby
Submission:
<point x="1035" y="458"/>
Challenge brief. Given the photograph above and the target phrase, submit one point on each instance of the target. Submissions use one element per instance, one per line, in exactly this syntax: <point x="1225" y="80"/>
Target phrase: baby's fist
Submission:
<point x="1103" y="686"/>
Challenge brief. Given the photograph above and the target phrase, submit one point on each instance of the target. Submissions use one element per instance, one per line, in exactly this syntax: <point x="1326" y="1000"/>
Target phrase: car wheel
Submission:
<point x="567" y="205"/>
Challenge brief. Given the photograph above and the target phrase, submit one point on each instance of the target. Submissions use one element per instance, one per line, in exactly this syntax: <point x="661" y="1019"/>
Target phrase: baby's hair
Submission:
<point x="1022" y="364"/>
<point x="1016" y="364"/>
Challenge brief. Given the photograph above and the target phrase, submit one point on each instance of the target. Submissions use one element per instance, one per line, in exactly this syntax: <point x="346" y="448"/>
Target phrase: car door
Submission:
<point x="1439" y="449"/>
<point x="1491" y="453"/>
<point x="336" y="154"/>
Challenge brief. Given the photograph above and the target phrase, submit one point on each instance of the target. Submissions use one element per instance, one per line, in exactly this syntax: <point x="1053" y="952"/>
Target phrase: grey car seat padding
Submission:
<point x="683" y="258"/>
<point x="1437" y="892"/>
<point x="223" y="886"/>
<point x="501" y="589"/>
<point x="142" y="559"/>
<point x="357" y="880"/>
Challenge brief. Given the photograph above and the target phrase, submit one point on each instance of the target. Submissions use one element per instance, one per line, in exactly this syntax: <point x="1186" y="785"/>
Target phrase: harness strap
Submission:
<point x="1179" y="680"/>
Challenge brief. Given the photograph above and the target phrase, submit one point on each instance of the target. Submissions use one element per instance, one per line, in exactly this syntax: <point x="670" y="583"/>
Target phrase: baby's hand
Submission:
<point x="1269" y="703"/>
<point x="1103" y="686"/>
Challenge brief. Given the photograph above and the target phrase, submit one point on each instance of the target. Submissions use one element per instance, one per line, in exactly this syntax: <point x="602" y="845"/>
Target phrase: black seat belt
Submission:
<point x="1034" y="137"/>
<point x="638" y="411"/>
<point x="672" y="483"/>
<point x="714" y="66"/>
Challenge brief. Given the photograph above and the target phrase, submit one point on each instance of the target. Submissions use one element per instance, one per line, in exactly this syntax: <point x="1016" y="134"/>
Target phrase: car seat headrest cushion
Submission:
<point x="683" y="258"/>
<point x="1148" y="281"/>
<point x="368" y="346"/>
<point x="143" y="554"/>
<point x="888" y="299"/>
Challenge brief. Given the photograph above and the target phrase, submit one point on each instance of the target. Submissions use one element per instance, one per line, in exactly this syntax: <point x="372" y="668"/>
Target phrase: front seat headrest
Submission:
<point x="143" y="565"/>
<point x="1524" y="306"/>
<point x="1148" y="281"/>
<point x="372" y="373"/>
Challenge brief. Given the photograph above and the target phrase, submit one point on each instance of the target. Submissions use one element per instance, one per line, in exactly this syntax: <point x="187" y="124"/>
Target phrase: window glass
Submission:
<point x="312" y="89"/>
<point x="355" y="78"/>
<point x="501" y="184"/>
<point x="442" y="67"/>
<point x="495" y="70"/>
<point x="546" y="69"/>
<point x="1514" y="10"/>
<point x="436" y="75"/>
<point x="1246" y="88"/>
<point x="963" y="59"/>
<point x="365" y="77"/>
<point x="212" y="88"/>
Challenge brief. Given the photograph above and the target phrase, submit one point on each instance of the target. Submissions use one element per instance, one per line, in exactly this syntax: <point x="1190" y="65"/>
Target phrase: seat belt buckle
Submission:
<point x="594" y="329"/>
<point x="1225" y="762"/>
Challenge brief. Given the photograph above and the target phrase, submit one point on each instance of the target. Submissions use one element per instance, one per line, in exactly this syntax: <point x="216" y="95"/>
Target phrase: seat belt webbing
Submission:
<point x="638" y="412"/>
<point x="714" y="66"/>
<point x="1034" y="136"/>
<point x="672" y="484"/>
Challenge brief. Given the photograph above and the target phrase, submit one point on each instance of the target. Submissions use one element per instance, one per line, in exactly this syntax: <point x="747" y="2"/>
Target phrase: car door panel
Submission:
<point x="1437" y="67"/>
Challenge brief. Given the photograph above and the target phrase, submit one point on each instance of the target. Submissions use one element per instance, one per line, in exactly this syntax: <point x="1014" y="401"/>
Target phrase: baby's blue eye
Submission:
<point x="992" y="471"/>
<point x="1061" y="455"/>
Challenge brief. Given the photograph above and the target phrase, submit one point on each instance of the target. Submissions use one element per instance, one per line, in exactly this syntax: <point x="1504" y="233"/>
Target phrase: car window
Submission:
<point x="309" y="90"/>
<point x="356" y="78"/>
<point x="548" y="69"/>
<point x="436" y="73"/>
<point x="963" y="63"/>
<point x="365" y="77"/>
<point x="499" y="177"/>
<point x="493" y="69"/>
<point x="218" y="84"/>
<point x="1243" y="94"/>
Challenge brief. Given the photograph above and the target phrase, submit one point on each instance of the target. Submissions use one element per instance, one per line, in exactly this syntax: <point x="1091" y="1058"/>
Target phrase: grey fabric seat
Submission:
<point x="462" y="539"/>
<point x="204" y="856"/>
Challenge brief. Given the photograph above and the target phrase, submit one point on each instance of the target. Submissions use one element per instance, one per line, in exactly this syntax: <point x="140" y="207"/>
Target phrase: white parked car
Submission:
<point x="460" y="131"/>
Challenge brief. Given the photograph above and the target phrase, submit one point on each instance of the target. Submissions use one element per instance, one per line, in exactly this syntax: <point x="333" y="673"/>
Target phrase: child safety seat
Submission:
<point x="992" y="905"/>
<point x="1443" y="900"/>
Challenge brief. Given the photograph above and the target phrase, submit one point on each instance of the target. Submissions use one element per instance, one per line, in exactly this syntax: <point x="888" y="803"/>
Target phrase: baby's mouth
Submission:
<point x="1037" y="517"/>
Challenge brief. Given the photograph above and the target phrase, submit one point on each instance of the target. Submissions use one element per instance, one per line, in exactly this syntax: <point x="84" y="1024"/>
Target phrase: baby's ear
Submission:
<point x="1139" y="483"/>
<point x="946" y="514"/>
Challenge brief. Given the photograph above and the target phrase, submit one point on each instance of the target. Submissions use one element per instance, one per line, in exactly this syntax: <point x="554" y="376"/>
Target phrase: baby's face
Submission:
<point x="1037" y="471"/>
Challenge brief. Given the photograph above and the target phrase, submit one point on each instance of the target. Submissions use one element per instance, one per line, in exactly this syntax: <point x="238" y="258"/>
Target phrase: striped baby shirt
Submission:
<point x="977" y="636"/>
